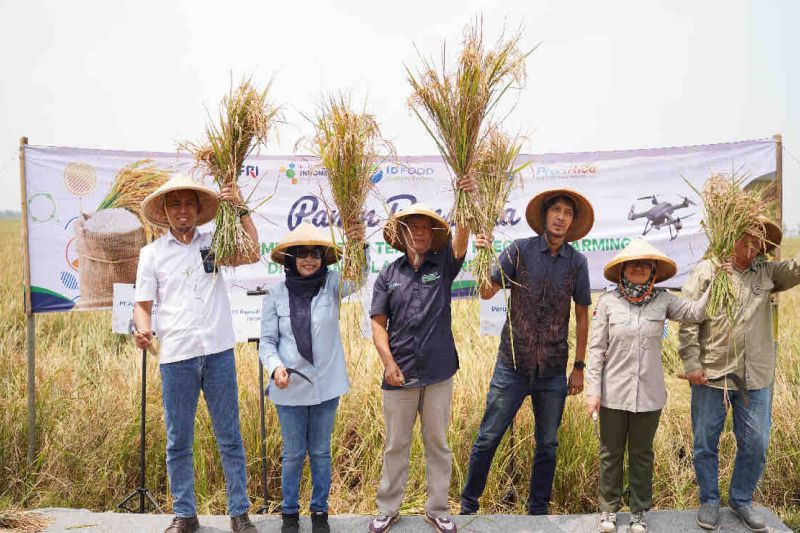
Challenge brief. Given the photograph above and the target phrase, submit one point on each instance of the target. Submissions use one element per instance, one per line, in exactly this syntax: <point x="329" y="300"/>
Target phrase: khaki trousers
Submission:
<point x="400" y="408"/>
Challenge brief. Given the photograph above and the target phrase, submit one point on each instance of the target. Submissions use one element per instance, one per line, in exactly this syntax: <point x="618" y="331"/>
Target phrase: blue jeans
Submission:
<point x="306" y="429"/>
<point x="751" y="426"/>
<point x="182" y="382"/>
<point x="507" y="390"/>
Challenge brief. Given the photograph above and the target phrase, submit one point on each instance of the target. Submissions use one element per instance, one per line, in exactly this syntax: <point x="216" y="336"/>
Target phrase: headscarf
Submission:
<point x="302" y="290"/>
<point x="638" y="294"/>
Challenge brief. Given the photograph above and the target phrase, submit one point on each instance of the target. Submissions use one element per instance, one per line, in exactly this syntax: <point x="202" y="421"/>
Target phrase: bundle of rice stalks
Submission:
<point x="17" y="520"/>
<point x="453" y="105"/>
<point x="246" y="121"/>
<point x="133" y="184"/>
<point x="350" y="147"/>
<point x="496" y="176"/>
<point x="730" y="211"/>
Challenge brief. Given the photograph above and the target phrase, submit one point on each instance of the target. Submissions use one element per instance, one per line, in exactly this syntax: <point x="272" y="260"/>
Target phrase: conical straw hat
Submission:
<point x="581" y="224"/>
<point x="393" y="230"/>
<point x="305" y="235"/>
<point x="641" y="250"/>
<point x="153" y="206"/>
<point x="774" y="234"/>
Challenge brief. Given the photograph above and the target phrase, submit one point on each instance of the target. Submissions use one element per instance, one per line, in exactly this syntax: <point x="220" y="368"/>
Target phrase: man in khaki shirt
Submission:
<point x="712" y="351"/>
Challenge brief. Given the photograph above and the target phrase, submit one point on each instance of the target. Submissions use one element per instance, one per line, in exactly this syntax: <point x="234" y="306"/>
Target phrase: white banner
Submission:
<point x="632" y="192"/>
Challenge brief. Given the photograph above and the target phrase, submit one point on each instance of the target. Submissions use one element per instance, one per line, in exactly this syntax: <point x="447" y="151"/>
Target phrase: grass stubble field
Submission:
<point x="88" y="421"/>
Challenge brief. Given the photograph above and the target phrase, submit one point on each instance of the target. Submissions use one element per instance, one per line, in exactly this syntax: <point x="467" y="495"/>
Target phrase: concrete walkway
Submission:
<point x="80" y="521"/>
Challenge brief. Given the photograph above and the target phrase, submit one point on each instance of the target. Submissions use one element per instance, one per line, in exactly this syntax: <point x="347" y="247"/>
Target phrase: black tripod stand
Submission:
<point x="141" y="491"/>
<point x="264" y="509"/>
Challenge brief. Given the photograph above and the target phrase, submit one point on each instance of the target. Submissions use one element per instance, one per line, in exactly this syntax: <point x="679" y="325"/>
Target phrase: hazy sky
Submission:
<point x="138" y="75"/>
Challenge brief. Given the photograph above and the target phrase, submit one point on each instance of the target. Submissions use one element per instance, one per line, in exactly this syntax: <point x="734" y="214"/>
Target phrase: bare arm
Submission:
<point x="380" y="337"/>
<point x="141" y="319"/>
<point x="581" y="335"/>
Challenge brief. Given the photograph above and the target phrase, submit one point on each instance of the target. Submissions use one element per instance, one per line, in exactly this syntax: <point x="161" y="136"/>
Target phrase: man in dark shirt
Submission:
<point x="544" y="273"/>
<point x="411" y="329"/>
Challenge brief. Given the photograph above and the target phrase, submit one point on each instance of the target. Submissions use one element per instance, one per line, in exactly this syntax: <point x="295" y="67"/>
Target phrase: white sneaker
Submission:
<point x="638" y="523"/>
<point x="608" y="523"/>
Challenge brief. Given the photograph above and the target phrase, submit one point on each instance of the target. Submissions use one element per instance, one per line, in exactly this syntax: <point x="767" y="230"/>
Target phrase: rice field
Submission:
<point x="88" y="422"/>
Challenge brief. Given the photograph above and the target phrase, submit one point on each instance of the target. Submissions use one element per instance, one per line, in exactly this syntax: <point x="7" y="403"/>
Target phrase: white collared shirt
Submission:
<point x="194" y="314"/>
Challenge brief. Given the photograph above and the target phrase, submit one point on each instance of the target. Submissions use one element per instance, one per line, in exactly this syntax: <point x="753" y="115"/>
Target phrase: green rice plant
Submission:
<point x="246" y="121"/>
<point x="132" y="184"/>
<point x="453" y="104"/>
<point x="496" y="176"/>
<point x="350" y="147"/>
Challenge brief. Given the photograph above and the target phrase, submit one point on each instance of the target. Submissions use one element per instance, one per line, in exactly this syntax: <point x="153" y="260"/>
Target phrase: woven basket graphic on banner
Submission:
<point x="105" y="257"/>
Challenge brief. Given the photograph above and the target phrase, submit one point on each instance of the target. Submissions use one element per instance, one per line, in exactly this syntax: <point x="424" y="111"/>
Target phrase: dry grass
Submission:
<point x="88" y="405"/>
<point x="453" y="105"/>
<point x="350" y="147"/>
<point x="730" y="211"/>
<point x="496" y="176"/>
<point x="132" y="184"/>
<point x="246" y="121"/>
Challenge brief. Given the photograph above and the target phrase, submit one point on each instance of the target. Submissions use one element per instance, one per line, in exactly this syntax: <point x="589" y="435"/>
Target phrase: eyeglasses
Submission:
<point x="308" y="251"/>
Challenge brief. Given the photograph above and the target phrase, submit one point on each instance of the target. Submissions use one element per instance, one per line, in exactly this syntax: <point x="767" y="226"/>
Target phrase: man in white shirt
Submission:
<point x="196" y="333"/>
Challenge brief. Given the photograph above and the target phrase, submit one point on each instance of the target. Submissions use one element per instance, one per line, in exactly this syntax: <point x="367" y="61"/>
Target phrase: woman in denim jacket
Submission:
<point x="625" y="378"/>
<point x="300" y="332"/>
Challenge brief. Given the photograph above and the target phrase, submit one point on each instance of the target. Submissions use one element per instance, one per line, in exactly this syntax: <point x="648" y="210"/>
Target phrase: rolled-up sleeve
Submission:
<point x="598" y="345"/>
<point x="689" y="334"/>
<point x="380" y="295"/>
<point x="270" y="335"/>
<point x="146" y="282"/>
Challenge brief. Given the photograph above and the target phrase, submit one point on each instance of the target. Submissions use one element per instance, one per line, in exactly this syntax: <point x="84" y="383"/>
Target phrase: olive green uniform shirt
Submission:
<point x="625" y="368"/>
<point x="747" y="349"/>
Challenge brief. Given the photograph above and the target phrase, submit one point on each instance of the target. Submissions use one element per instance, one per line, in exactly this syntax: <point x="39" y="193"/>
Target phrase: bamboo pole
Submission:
<point x="30" y="337"/>
<point x="779" y="219"/>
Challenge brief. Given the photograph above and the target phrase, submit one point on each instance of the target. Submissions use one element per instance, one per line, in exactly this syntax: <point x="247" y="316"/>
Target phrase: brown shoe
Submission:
<point x="242" y="524"/>
<point x="182" y="524"/>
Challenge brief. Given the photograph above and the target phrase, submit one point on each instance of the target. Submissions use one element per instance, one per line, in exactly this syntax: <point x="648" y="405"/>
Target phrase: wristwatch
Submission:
<point x="579" y="365"/>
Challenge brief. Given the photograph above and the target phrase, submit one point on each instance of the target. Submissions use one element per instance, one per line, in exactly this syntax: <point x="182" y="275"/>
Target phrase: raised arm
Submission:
<point x="233" y="195"/>
<point x="687" y="311"/>
<point x="786" y="274"/>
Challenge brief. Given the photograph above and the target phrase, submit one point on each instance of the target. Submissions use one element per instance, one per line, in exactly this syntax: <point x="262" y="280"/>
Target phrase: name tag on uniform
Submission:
<point x="433" y="276"/>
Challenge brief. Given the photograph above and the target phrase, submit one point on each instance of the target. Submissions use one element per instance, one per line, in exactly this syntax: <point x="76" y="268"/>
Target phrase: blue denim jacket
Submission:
<point x="328" y="374"/>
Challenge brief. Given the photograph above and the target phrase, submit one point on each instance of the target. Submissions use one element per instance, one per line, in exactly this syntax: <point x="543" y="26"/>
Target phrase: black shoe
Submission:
<point x="319" y="523"/>
<point x="749" y="517"/>
<point x="181" y="524"/>
<point x="465" y="512"/>
<point x="242" y="524"/>
<point x="291" y="523"/>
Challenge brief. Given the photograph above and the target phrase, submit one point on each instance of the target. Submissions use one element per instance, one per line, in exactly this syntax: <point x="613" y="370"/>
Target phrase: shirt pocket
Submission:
<point x="652" y="324"/>
<point x="284" y="320"/>
<point x="617" y="324"/>
<point x="762" y="288"/>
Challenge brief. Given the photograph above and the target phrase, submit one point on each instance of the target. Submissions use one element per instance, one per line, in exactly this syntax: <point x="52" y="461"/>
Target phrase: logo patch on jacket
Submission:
<point x="433" y="276"/>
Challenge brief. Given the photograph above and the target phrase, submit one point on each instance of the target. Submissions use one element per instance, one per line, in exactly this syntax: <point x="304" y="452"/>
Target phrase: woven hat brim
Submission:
<point x="154" y="212"/>
<point x="581" y="224"/>
<point x="393" y="230"/>
<point x="665" y="267"/>
<point x="774" y="235"/>
<point x="279" y="253"/>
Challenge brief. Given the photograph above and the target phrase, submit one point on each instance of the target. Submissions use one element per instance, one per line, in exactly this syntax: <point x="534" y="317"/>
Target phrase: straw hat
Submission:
<point x="774" y="234"/>
<point x="305" y="235"/>
<point x="153" y="206"/>
<point x="641" y="250"/>
<point x="393" y="230"/>
<point x="581" y="224"/>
